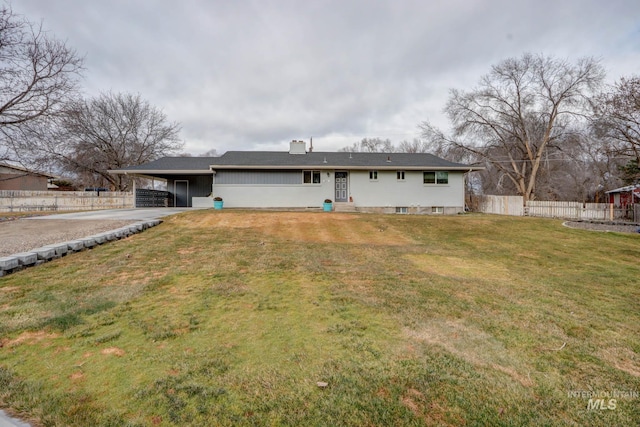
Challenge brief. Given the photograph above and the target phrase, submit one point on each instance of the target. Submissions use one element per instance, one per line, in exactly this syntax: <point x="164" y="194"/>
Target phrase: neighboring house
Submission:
<point x="625" y="196"/>
<point x="371" y="182"/>
<point x="18" y="178"/>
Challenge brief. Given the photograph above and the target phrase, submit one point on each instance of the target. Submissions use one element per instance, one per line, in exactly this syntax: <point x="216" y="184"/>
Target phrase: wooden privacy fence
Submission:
<point x="513" y="205"/>
<point x="20" y="201"/>
<point x="500" y="205"/>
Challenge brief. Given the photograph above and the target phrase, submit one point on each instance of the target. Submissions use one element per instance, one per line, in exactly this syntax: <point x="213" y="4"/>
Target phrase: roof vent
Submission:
<point x="388" y="159"/>
<point x="297" y="147"/>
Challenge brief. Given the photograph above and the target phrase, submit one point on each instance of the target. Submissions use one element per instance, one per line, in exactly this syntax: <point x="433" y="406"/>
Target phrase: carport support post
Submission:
<point x="213" y="184"/>
<point x="135" y="204"/>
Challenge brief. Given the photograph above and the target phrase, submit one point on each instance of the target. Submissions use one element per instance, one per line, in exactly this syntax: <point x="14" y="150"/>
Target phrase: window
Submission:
<point x="400" y="175"/>
<point x="311" y="177"/>
<point x="442" y="177"/>
<point x="402" y="210"/>
<point x="373" y="175"/>
<point x="436" y="177"/>
<point x="437" y="209"/>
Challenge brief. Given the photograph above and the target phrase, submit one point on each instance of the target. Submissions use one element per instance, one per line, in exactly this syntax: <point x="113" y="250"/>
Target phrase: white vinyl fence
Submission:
<point x="21" y="201"/>
<point x="513" y="205"/>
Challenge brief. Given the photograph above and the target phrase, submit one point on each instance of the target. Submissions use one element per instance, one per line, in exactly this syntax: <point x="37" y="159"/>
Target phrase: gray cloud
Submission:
<point x="256" y="74"/>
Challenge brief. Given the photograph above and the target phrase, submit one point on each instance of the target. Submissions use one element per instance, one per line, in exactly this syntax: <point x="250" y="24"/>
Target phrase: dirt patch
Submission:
<point x="28" y="338"/>
<point x="77" y="376"/>
<point x="113" y="350"/>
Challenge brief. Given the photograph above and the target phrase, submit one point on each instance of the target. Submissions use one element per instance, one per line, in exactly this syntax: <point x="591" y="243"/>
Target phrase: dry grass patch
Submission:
<point x="311" y="227"/>
<point x="459" y="267"/>
<point x="622" y="358"/>
<point x="475" y="346"/>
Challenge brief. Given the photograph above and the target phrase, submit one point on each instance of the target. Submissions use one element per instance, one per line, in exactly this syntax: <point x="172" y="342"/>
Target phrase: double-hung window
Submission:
<point x="311" y="177"/>
<point x="436" y="177"/>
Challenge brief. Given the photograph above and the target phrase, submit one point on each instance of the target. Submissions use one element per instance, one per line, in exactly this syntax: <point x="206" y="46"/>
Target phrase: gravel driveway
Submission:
<point x="21" y="235"/>
<point x="601" y="226"/>
<point x="24" y="234"/>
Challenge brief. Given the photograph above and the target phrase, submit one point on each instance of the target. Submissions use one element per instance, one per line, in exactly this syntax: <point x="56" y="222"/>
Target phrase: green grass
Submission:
<point x="232" y="318"/>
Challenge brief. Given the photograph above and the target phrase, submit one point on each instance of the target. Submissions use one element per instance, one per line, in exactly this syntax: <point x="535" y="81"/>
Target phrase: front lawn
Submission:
<point x="294" y="318"/>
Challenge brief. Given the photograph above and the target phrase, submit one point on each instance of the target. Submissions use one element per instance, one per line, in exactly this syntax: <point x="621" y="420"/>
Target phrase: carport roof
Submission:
<point x="284" y="160"/>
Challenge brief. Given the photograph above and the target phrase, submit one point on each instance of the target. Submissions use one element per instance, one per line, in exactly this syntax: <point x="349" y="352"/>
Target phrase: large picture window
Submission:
<point x="311" y="177"/>
<point x="436" y="177"/>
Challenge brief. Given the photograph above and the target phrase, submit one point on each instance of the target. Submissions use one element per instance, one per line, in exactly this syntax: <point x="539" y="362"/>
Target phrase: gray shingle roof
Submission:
<point x="332" y="160"/>
<point x="284" y="160"/>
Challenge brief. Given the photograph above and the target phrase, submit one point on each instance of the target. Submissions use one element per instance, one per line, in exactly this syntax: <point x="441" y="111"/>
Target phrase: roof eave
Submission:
<point x="350" y="167"/>
<point x="159" y="171"/>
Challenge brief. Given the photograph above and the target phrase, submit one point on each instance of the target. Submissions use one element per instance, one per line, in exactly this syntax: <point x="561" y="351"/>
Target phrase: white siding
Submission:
<point x="386" y="192"/>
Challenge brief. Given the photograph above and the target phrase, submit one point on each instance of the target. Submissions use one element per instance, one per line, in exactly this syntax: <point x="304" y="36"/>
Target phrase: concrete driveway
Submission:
<point x="7" y="421"/>
<point x="139" y="214"/>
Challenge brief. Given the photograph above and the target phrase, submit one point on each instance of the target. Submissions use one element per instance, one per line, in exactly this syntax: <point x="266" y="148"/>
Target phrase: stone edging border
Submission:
<point x="16" y="262"/>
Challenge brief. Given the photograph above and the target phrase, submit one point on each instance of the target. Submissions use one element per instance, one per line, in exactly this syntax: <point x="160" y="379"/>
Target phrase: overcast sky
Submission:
<point x="253" y="75"/>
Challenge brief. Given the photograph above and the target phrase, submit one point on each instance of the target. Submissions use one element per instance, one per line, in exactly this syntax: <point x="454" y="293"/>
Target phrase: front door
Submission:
<point x="342" y="186"/>
<point x="181" y="193"/>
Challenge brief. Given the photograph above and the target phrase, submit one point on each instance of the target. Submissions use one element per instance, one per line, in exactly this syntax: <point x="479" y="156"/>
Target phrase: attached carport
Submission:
<point x="185" y="178"/>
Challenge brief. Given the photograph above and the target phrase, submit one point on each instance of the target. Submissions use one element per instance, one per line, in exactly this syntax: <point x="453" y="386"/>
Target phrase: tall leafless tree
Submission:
<point x="617" y="119"/>
<point x="38" y="75"/>
<point x="521" y="107"/>
<point x="109" y="131"/>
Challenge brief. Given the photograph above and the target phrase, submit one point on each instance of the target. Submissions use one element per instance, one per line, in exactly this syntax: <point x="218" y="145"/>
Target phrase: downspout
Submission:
<point x="464" y="189"/>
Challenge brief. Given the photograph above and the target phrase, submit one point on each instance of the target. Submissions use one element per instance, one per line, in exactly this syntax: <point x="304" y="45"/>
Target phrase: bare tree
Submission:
<point x="617" y="120"/>
<point x="107" y="132"/>
<point x="521" y="107"/>
<point x="371" y="145"/>
<point x="38" y="75"/>
<point x="210" y="153"/>
<point x="415" y="146"/>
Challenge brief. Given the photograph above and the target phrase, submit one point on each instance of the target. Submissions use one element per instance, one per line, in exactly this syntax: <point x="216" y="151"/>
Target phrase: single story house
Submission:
<point x="18" y="178"/>
<point x="624" y="196"/>
<point x="367" y="182"/>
